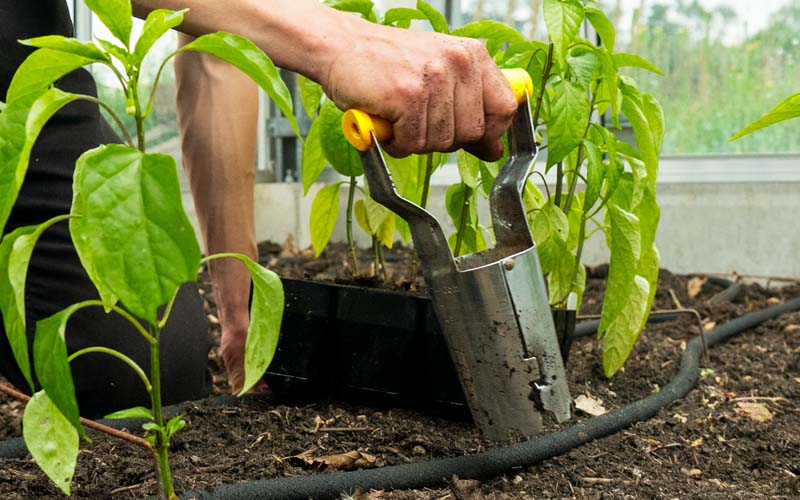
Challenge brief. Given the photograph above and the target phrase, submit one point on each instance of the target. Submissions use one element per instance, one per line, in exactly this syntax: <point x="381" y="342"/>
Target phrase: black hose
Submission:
<point x="502" y="460"/>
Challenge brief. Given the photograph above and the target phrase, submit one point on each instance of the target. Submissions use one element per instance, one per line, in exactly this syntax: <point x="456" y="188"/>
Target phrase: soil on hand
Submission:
<point x="734" y="436"/>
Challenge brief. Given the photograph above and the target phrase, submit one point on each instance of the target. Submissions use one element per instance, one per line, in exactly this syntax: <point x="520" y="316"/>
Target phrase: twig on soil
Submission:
<point x="677" y="302"/>
<point x="88" y="423"/>
<point x="127" y="488"/>
<point x="778" y="399"/>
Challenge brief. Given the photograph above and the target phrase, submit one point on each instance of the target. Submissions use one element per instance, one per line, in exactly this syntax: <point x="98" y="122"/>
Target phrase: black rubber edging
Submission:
<point x="501" y="460"/>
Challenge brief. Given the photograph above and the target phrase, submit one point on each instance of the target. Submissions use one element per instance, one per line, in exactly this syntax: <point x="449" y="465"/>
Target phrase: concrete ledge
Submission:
<point x="746" y="227"/>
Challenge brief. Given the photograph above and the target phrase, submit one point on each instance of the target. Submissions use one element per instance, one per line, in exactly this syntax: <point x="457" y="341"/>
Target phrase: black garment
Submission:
<point x="56" y="278"/>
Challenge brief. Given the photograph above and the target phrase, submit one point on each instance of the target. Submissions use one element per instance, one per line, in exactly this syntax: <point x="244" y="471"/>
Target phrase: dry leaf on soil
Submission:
<point x="757" y="412"/>
<point x="339" y="461"/>
<point x="590" y="405"/>
<point x="695" y="286"/>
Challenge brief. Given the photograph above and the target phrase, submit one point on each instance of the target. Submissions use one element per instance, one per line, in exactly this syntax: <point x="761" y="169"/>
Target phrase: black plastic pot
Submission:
<point x="371" y="345"/>
<point x="351" y="342"/>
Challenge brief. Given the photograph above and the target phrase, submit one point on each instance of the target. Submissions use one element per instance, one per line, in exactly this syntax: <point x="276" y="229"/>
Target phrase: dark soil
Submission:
<point x="737" y="435"/>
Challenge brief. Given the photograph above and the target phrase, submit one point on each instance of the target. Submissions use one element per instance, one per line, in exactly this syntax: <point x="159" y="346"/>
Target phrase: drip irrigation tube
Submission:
<point x="492" y="462"/>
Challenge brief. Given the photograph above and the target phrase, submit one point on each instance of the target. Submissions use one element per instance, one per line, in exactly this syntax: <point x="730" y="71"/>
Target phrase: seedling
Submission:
<point x="128" y="226"/>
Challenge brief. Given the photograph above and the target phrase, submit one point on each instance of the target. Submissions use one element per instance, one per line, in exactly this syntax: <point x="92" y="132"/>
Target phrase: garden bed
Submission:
<point x="734" y="436"/>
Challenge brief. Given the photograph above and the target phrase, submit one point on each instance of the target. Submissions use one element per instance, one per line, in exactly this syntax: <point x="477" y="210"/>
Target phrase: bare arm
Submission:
<point x="440" y="92"/>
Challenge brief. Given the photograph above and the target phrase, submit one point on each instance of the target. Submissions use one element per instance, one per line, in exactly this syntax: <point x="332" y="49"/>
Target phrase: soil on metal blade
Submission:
<point x="734" y="436"/>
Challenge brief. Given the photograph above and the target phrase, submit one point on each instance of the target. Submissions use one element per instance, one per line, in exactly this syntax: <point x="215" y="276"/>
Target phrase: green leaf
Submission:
<point x="116" y="15"/>
<point x="340" y="154"/>
<point x="549" y="221"/>
<point x="563" y="19"/>
<point x="51" y="365"/>
<point x="252" y="61"/>
<point x="559" y="279"/>
<point x="490" y="30"/>
<point x="437" y="20"/>
<point x="402" y="17"/>
<point x="609" y="85"/>
<point x="655" y="119"/>
<point x="602" y="25"/>
<point x="12" y="301"/>
<point x="51" y="440"/>
<point x="472" y="240"/>
<point x="622" y="332"/>
<point x="16" y="250"/>
<point x="595" y="173"/>
<point x="174" y="425"/>
<point x="363" y="7"/>
<point x="40" y="70"/>
<point x="133" y="233"/>
<point x="789" y="108"/>
<point x="68" y="45"/>
<point x="324" y="212"/>
<point x="454" y="203"/>
<point x="2" y="106"/>
<point x="310" y="95"/>
<point x="633" y="108"/>
<point x="625" y="252"/>
<point x="469" y="167"/>
<point x="120" y="53"/>
<point x="20" y="125"/>
<point x="582" y="62"/>
<point x="360" y="212"/>
<point x="623" y="59"/>
<point x="157" y="23"/>
<point x="266" y="313"/>
<point x="649" y="214"/>
<point x="569" y="118"/>
<point x="313" y="158"/>
<point x="135" y="412"/>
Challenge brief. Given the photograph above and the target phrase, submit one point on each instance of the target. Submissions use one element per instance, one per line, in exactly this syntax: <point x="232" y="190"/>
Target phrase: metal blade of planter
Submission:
<point x="493" y="305"/>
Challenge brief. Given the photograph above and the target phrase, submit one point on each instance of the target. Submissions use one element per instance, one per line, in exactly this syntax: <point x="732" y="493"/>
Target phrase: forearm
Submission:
<point x="300" y="35"/>
<point x="218" y="112"/>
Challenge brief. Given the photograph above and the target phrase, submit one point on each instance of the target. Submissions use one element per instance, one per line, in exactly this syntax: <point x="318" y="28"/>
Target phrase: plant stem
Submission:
<point x="375" y="261"/>
<point x="351" y="194"/>
<point x="545" y="75"/>
<point x="462" y="224"/>
<point x="423" y="202"/>
<point x="382" y="262"/>
<point x="162" y="446"/>
<point x="113" y="115"/>
<point x="111" y="352"/>
<point x="559" y="183"/>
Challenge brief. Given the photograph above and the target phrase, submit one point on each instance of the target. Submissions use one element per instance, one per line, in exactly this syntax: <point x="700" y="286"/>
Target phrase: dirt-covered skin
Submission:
<point x="735" y="436"/>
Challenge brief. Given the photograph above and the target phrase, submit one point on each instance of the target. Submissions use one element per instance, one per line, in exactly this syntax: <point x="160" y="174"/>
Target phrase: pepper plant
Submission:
<point x="128" y="225"/>
<point x="598" y="182"/>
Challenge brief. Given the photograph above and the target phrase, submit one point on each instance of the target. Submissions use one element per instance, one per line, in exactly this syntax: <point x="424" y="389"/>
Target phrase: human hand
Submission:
<point x="441" y="93"/>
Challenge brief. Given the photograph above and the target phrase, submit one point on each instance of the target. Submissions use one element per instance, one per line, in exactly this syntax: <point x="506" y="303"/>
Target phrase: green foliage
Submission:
<point x="789" y="108"/>
<point x="132" y="230"/>
<point x="324" y="212"/>
<point x="127" y="223"/>
<point x="51" y="440"/>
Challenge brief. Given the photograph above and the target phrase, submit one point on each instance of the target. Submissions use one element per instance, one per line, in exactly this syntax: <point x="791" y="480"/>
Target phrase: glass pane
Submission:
<point x="161" y="128"/>
<point x="725" y="62"/>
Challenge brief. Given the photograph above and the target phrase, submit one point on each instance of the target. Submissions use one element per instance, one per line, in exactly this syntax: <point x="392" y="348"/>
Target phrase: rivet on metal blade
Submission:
<point x="508" y="264"/>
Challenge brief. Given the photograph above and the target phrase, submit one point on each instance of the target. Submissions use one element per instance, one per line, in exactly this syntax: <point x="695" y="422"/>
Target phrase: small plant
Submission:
<point x="127" y="224"/>
<point x="575" y="80"/>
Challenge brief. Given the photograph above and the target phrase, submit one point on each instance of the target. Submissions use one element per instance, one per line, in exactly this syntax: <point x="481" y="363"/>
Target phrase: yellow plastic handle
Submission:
<point x="358" y="126"/>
